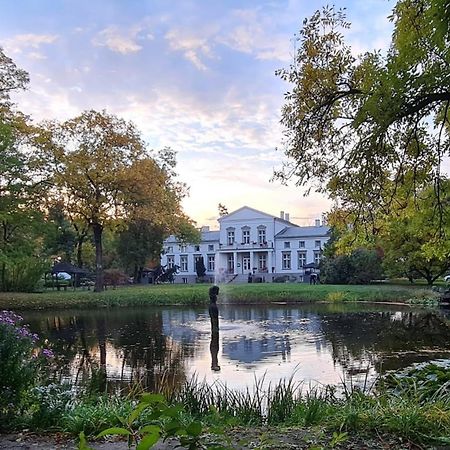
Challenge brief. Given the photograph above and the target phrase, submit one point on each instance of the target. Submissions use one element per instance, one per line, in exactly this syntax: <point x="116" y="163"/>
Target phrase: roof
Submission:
<point x="206" y="236"/>
<point x="66" y="267"/>
<point x="300" y="232"/>
<point x="278" y="219"/>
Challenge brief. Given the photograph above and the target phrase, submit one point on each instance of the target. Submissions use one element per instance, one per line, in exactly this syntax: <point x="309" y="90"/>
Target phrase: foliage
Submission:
<point x="11" y="78"/>
<point x="150" y="420"/>
<point x="115" y="277"/>
<point x="22" y="274"/>
<point x="360" y="267"/>
<point x="362" y="127"/>
<point x="19" y="362"/>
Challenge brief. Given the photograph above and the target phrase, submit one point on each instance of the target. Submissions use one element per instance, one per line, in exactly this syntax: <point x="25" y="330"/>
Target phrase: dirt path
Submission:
<point x="241" y="439"/>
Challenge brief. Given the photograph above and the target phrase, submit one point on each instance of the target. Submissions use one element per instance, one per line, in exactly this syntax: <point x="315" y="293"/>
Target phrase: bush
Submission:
<point x="360" y="267"/>
<point x="20" y="362"/>
<point x="21" y="275"/>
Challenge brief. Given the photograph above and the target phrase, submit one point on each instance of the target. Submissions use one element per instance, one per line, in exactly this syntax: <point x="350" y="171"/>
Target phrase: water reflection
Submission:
<point x="319" y="343"/>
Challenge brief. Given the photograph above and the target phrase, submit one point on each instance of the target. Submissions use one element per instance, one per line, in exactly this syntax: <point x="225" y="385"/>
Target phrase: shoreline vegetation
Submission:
<point x="166" y="295"/>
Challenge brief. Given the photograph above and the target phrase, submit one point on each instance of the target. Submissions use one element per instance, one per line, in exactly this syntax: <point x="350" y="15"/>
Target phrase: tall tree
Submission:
<point x="356" y="127"/>
<point x="98" y="167"/>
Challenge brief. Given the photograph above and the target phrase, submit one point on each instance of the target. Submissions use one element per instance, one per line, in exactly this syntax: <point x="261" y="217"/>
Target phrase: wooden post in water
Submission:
<point x="214" y="316"/>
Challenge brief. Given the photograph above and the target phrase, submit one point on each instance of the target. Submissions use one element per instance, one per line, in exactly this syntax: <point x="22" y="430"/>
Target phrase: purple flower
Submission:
<point x="47" y="353"/>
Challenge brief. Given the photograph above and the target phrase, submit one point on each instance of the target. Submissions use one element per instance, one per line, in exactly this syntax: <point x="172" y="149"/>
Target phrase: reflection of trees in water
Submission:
<point x="142" y="352"/>
<point x="363" y="339"/>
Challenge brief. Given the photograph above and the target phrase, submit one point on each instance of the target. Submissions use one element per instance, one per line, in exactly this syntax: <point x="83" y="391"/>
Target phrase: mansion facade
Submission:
<point x="250" y="242"/>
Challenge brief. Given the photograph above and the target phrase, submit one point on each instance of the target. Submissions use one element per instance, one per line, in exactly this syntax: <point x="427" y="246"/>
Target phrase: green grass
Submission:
<point x="198" y="295"/>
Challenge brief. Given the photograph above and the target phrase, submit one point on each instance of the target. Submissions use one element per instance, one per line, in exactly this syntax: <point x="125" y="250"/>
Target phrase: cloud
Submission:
<point x="21" y="43"/>
<point x="194" y="48"/>
<point x="120" y="40"/>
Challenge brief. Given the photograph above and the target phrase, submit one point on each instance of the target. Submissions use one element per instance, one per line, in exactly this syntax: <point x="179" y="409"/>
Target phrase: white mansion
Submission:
<point x="250" y="241"/>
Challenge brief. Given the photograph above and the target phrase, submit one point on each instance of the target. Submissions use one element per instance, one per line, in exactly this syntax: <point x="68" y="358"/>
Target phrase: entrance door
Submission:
<point x="246" y="264"/>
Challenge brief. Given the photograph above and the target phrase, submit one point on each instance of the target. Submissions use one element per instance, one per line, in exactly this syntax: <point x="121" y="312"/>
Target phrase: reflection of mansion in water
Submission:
<point x="250" y="242"/>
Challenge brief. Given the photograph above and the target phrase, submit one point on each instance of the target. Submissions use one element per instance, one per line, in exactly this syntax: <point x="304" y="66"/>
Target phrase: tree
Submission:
<point x="415" y="245"/>
<point x="11" y="79"/>
<point x="86" y="161"/>
<point x="97" y="165"/>
<point x="223" y="210"/>
<point x="358" y="127"/>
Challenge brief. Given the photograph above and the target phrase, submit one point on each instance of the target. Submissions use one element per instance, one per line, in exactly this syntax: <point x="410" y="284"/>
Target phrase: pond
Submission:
<point x="314" y="343"/>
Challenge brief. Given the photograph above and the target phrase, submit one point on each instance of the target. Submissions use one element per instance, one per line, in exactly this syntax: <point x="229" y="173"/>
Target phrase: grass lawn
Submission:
<point x="181" y="294"/>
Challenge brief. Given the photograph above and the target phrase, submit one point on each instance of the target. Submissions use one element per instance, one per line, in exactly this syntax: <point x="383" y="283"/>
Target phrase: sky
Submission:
<point x="195" y="75"/>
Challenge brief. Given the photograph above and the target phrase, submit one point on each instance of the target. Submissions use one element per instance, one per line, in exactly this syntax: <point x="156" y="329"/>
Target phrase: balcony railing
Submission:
<point x="247" y="246"/>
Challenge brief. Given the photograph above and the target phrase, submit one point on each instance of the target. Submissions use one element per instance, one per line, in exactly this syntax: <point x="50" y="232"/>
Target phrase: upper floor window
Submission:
<point x="261" y="235"/>
<point x="182" y="248"/>
<point x="301" y="244"/>
<point x="170" y="261"/>
<point x="210" y="247"/>
<point x="183" y="263"/>
<point x="246" y="236"/>
<point x="197" y="248"/>
<point x="286" y="260"/>
<point x="317" y="244"/>
<point x="287" y="244"/>
<point x="169" y="249"/>
<point x="230" y="237"/>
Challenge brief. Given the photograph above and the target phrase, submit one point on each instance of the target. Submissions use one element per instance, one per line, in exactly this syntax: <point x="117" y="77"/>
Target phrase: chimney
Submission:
<point x="204" y="228"/>
<point x="317" y="222"/>
<point x="282" y="215"/>
<point x="286" y="217"/>
<point x="324" y="220"/>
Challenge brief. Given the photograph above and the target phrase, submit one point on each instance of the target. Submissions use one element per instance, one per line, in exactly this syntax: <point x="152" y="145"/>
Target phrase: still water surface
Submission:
<point x="317" y="343"/>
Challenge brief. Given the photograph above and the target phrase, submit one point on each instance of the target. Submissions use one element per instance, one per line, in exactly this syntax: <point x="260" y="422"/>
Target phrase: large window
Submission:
<point x="170" y="261"/>
<point x="246" y="236"/>
<point x="183" y="263"/>
<point x="230" y="237"/>
<point x="286" y="260"/>
<point x="317" y="257"/>
<point x="211" y="263"/>
<point x="262" y="263"/>
<point x="301" y="259"/>
<point x="261" y="235"/>
<point x="230" y="263"/>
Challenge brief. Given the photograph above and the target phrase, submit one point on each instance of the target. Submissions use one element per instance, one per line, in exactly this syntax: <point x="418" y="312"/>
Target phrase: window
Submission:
<point x="182" y="248"/>
<point x="301" y="244"/>
<point x="262" y="263"/>
<point x="183" y="263"/>
<point x="170" y="261"/>
<point x="210" y="247"/>
<point x="246" y="236"/>
<point x="211" y="263"/>
<point x="197" y="258"/>
<point x="317" y="244"/>
<point x="286" y="260"/>
<point x="230" y="263"/>
<point x="301" y="259"/>
<point x="261" y="235"/>
<point x="196" y="248"/>
<point x="230" y="237"/>
<point x="317" y="256"/>
<point x="287" y="245"/>
<point x="169" y="249"/>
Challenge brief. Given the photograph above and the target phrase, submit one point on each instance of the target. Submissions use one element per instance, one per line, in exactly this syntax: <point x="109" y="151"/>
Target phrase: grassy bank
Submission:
<point x="198" y="294"/>
<point x="400" y="410"/>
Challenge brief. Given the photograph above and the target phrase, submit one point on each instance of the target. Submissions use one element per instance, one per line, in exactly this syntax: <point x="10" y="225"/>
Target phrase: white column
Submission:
<point x="252" y="262"/>
<point x="270" y="262"/>
<point x="235" y="262"/>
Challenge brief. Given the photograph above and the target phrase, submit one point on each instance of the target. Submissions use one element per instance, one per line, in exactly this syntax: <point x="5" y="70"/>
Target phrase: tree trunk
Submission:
<point x="98" y="230"/>
<point x="80" y="242"/>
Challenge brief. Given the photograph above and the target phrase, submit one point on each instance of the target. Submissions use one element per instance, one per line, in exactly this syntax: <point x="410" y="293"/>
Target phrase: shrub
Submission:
<point x="20" y="361"/>
<point x="21" y="275"/>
